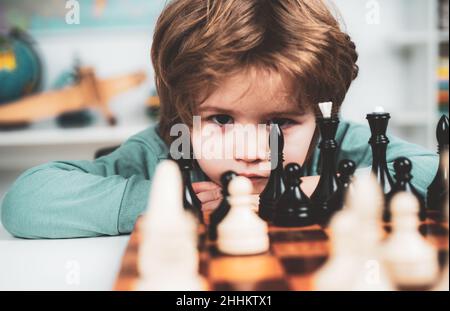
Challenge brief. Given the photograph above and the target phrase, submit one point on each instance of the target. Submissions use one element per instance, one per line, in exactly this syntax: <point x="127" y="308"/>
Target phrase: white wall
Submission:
<point x="395" y="64"/>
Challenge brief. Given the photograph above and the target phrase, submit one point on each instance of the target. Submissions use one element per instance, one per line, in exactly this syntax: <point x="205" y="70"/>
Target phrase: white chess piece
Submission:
<point x="355" y="236"/>
<point x="242" y="232"/>
<point x="336" y="274"/>
<point x="168" y="255"/>
<point x="410" y="260"/>
<point x="366" y="204"/>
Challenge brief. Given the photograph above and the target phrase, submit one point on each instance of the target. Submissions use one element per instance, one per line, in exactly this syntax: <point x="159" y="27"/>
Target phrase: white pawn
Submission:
<point x="336" y="274"/>
<point x="242" y="232"/>
<point x="355" y="235"/>
<point x="168" y="255"/>
<point x="411" y="261"/>
<point x="366" y="204"/>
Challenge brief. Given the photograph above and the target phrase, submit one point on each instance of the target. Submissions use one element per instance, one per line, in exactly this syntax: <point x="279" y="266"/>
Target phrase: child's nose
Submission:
<point x="252" y="146"/>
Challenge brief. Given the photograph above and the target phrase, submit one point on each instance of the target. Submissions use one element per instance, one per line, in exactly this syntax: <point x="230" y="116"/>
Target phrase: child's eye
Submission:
<point x="282" y="122"/>
<point x="221" y="119"/>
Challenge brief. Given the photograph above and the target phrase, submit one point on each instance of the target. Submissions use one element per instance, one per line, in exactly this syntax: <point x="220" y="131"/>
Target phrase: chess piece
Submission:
<point x="443" y="284"/>
<point x="411" y="261"/>
<point x="337" y="274"/>
<point x="355" y="236"/>
<point x="168" y="255"/>
<point x="379" y="142"/>
<point x="438" y="191"/>
<point x="403" y="177"/>
<point x="222" y="210"/>
<point x="190" y="200"/>
<point x="242" y="232"/>
<point x="275" y="185"/>
<point x="294" y="208"/>
<point x="346" y="171"/>
<point x="328" y="182"/>
<point x="366" y="204"/>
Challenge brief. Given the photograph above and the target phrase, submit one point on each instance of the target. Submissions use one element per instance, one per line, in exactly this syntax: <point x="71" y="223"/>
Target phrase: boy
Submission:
<point x="230" y="62"/>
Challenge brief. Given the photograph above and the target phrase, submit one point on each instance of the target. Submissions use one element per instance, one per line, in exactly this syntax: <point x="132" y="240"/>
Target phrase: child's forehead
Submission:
<point x="270" y="89"/>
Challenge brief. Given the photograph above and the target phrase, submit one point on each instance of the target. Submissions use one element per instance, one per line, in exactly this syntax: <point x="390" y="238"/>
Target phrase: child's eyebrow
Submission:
<point x="281" y="112"/>
<point x="287" y="112"/>
<point x="203" y="108"/>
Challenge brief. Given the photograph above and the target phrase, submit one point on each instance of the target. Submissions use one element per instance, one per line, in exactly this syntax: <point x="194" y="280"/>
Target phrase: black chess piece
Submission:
<point x="275" y="185"/>
<point x="403" y="177"/>
<point x="222" y="210"/>
<point x="328" y="182"/>
<point x="294" y="208"/>
<point x="379" y="142"/>
<point x="190" y="200"/>
<point x="437" y="190"/>
<point x="346" y="170"/>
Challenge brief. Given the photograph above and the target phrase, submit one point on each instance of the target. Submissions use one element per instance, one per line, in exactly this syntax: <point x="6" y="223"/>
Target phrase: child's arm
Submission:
<point x="83" y="198"/>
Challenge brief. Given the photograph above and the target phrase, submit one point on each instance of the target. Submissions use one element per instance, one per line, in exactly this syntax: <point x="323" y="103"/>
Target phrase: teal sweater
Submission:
<point x="68" y="199"/>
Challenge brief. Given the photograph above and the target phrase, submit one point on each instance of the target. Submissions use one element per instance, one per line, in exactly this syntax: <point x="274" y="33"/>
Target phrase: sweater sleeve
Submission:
<point x="68" y="199"/>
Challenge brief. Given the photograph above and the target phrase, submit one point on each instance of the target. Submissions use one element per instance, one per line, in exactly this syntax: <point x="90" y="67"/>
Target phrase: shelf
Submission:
<point x="59" y="136"/>
<point x="411" y="38"/>
<point x="443" y="36"/>
<point x="419" y="38"/>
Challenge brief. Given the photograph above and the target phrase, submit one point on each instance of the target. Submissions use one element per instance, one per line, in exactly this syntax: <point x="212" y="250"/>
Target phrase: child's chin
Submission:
<point x="258" y="184"/>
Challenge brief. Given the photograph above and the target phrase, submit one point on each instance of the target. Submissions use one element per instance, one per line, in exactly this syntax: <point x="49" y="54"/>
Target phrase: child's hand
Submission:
<point x="209" y="193"/>
<point x="309" y="184"/>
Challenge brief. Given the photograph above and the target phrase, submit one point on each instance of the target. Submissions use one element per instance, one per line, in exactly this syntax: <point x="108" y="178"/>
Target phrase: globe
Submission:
<point x="20" y="66"/>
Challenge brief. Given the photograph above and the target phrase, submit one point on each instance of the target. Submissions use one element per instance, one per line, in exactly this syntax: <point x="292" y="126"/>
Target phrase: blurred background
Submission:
<point x="83" y="73"/>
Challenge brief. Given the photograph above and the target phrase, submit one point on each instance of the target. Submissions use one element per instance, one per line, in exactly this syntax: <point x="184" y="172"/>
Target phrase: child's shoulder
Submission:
<point x="150" y="139"/>
<point x="353" y="134"/>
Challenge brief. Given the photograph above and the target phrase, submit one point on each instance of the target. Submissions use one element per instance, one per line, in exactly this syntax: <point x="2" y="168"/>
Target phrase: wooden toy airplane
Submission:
<point x="88" y="92"/>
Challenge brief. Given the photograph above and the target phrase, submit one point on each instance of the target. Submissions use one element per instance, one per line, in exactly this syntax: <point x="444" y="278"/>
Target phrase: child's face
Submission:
<point x="250" y="98"/>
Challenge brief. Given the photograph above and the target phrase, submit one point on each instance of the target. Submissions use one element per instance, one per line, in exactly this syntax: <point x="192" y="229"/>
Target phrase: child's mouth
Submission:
<point x="255" y="179"/>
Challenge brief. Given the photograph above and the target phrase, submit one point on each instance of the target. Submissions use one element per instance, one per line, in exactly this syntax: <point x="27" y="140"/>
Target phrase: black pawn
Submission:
<point x="403" y="177"/>
<point x="275" y="185"/>
<point x="190" y="200"/>
<point x="294" y="208"/>
<point x="346" y="170"/>
<point x="379" y="142"/>
<point x="222" y="210"/>
<point x="437" y="190"/>
<point x="328" y="182"/>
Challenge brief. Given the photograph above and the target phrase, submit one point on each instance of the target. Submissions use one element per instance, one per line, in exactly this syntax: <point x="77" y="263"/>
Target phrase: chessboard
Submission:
<point x="295" y="255"/>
